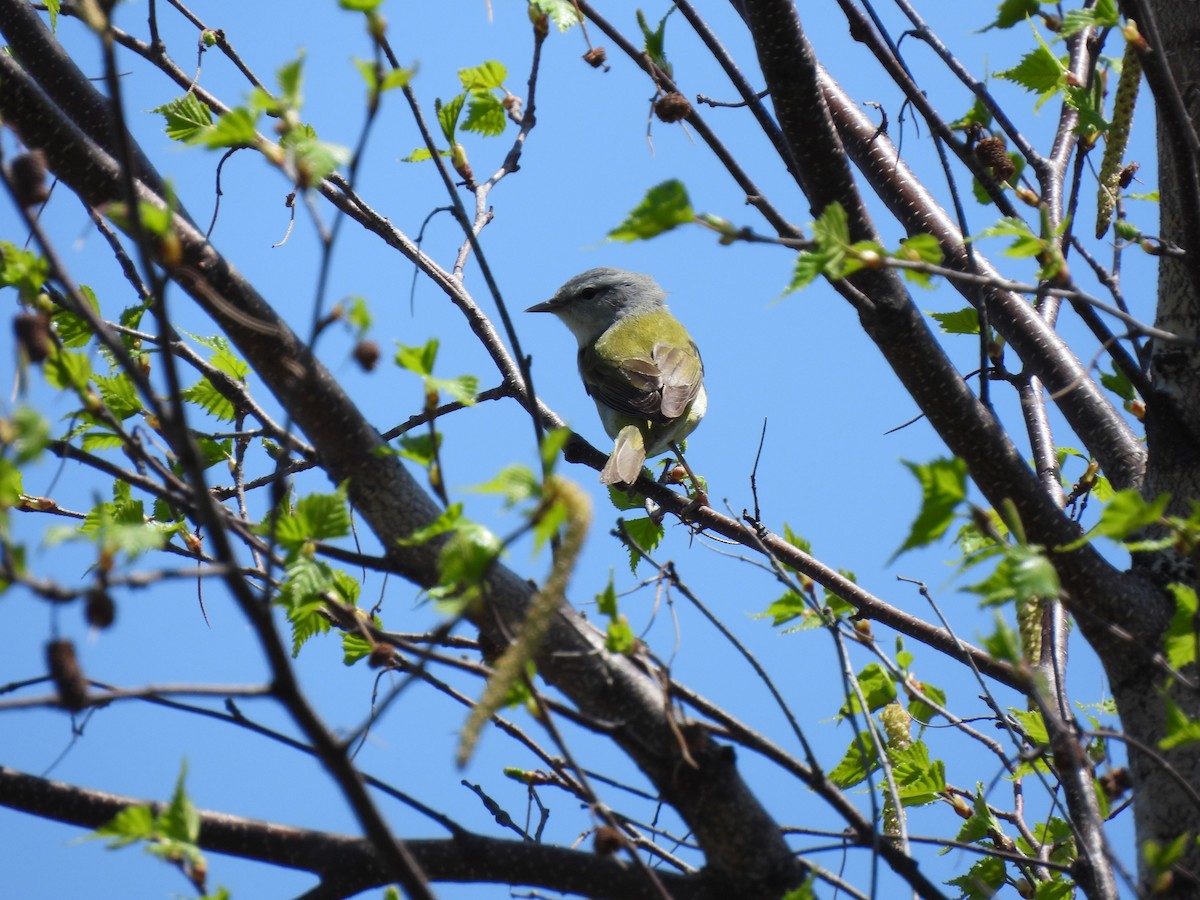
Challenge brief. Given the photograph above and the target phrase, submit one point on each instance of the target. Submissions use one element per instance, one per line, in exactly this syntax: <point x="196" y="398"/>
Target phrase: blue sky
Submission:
<point x="800" y="363"/>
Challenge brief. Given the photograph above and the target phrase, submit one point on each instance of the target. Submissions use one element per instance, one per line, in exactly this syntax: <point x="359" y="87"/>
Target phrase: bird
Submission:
<point x="638" y="363"/>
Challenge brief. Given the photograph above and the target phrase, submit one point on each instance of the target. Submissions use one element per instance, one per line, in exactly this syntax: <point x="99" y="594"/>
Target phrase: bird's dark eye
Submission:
<point x="588" y="293"/>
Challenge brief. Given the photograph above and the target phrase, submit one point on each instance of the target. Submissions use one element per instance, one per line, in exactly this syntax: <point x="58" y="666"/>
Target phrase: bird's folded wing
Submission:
<point x="657" y="387"/>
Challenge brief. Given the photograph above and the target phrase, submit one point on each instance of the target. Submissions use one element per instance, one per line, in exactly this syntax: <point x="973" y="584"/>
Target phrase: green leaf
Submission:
<point x="552" y="445"/>
<point x="789" y="606"/>
<point x="485" y="115"/>
<point x="205" y="395"/>
<point x="235" y="128"/>
<point x="1033" y="575"/>
<point x="315" y="159"/>
<point x="1182" y="636"/>
<point x="213" y="452"/>
<point x="185" y="117"/>
<point x="33" y="434"/>
<point x="314" y="518"/>
<point x="606" y="600"/>
<point x="227" y="361"/>
<point x="923" y="248"/>
<point x="1039" y="71"/>
<point x="809" y="267"/>
<point x="355" y="647"/>
<point x="1003" y="643"/>
<point x="1054" y="890"/>
<point x="563" y="13"/>
<point x="804" y="892"/>
<point x="1181" y="729"/>
<point x="397" y="78"/>
<point x="11" y="485"/>
<point x="22" y="269"/>
<point x="655" y="40"/>
<point x="420" y="448"/>
<point x="619" y="637"/>
<point x="1103" y="15"/>
<point x="291" y="77"/>
<point x="119" y="395"/>
<point x="1011" y="12"/>
<point x="860" y="760"/>
<point x="468" y="555"/>
<point x="647" y="534"/>
<point x="877" y="688"/>
<point x="1129" y="512"/>
<point x="448" y="113"/>
<point x="921" y="711"/>
<point x="982" y="880"/>
<point x="1025" y="242"/>
<point x="490" y="74"/>
<point x="447" y="520"/>
<point x="1118" y="382"/>
<point x="463" y="388"/>
<point x="302" y="595"/>
<point x="664" y="207"/>
<point x="962" y="321"/>
<point x="943" y="488"/>
<point x="130" y="825"/>
<point x="73" y="330"/>
<point x="978" y="114"/>
<point x="1160" y="858"/>
<point x="419" y="155"/>
<point x="1032" y="725"/>
<point x="418" y="359"/>
<point x="919" y="780"/>
<point x="363" y="6"/>
<point x="64" y="369"/>
<point x="322" y="516"/>
<point x="358" y="314"/>
<point x="515" y="483"/>
<point x="981" y="825"/>
<point x="1023" y="572"/>
<point x="180" y="820"/>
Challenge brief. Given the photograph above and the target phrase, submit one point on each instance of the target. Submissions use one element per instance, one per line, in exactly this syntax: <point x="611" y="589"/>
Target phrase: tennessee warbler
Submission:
<point x="637" y="362"/>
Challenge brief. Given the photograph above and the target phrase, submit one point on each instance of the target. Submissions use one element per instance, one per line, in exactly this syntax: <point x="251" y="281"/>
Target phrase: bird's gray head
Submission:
<point x="591" y="302"/>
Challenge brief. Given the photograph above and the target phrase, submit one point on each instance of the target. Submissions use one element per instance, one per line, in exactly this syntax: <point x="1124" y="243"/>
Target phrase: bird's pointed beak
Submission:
<point x="551" y="305"/>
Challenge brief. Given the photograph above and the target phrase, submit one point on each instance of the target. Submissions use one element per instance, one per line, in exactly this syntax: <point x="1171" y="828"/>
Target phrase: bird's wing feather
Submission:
<point x="655" y="383"/>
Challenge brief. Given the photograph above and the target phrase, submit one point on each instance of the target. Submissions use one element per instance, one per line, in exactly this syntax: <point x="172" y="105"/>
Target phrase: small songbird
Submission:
<point x="637" y="362"/>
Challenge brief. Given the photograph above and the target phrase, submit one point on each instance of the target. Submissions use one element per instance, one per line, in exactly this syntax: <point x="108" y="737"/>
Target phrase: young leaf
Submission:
<point x="860" y="760"/>
<point x="1182" y="637"/>
<point x="919" y="779"/>
<point x="943" y="488"/>
<point x="490" y="74"/>
<point x="186" y="117"/>
<point x="647" y="534"/>
<point x="962" y="321"/>
<point x="877" y="688"/>
<point x="1012" y="12"/>
<point x="1129" y="512"/>
<point x="1039" y="71"/>
<point x="664" y="207"/>
<point x="563" y="13"/>
<point x="485" y="115"/>
<point x="448" y="113"/>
